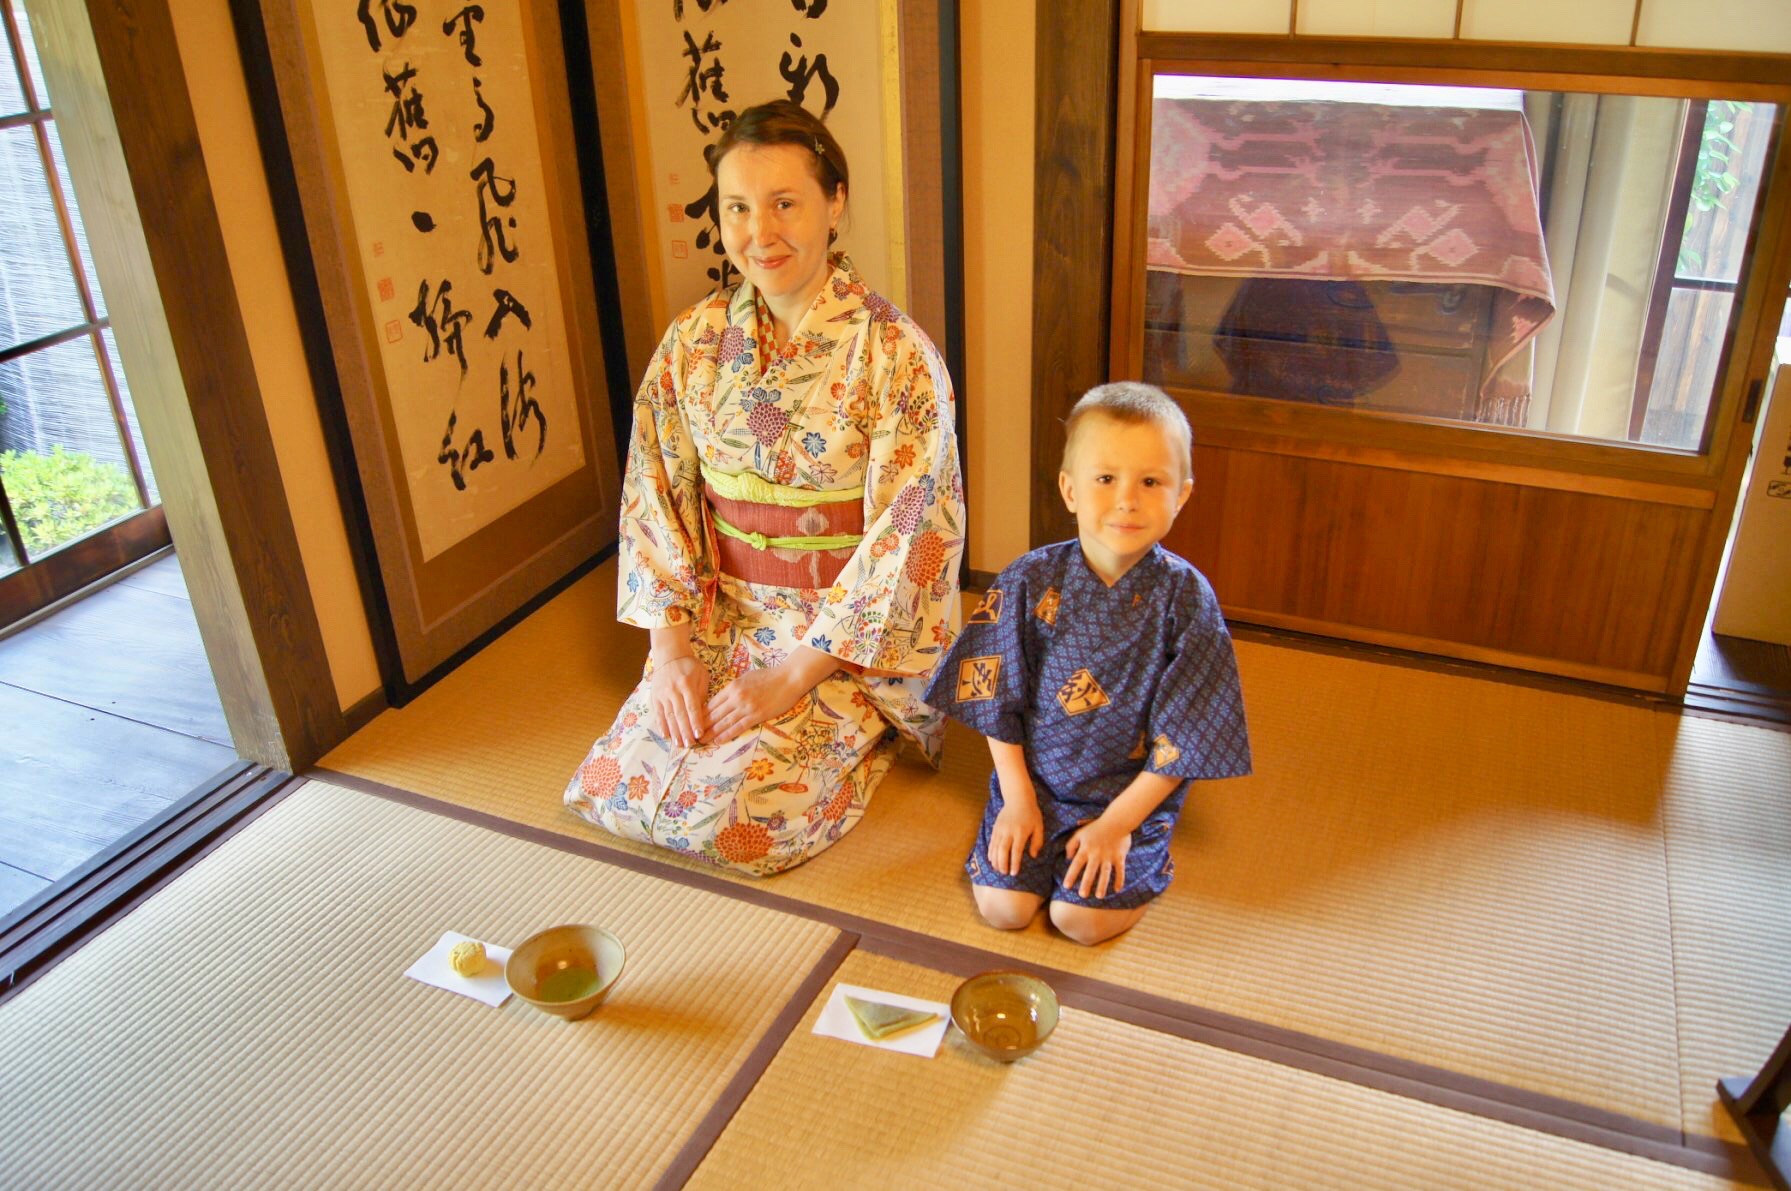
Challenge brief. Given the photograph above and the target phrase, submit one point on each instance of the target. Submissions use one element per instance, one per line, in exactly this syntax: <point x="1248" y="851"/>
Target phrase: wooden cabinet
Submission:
<point x="1396" y="347"/>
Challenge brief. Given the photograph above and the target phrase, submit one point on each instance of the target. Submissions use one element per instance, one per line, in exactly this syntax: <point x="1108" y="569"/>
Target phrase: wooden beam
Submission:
<point x="180" y="330"/>
<point x="1073" y="232"/>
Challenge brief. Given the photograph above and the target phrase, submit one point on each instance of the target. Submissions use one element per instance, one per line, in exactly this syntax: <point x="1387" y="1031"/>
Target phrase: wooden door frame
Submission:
<point x="1094" y="55"/>
<point x="177" y="312"/>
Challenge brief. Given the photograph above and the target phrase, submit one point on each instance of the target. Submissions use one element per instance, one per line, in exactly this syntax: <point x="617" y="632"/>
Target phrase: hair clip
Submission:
<point x="819" y="151"/>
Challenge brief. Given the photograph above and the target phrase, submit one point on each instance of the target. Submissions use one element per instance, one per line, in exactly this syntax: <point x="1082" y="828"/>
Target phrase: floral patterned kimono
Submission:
<point x="835" y="462"/>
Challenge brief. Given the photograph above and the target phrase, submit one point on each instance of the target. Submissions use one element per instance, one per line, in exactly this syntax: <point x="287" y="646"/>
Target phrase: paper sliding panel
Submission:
<point x="1757" y="26"/>
<point x="1216" y="16"/>
<point x="1377" y="18"/>
<point x="1587" y="22"/>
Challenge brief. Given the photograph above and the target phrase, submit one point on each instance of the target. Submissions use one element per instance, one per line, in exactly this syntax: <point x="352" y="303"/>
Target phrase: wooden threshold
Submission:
<point x="114" y="881"/>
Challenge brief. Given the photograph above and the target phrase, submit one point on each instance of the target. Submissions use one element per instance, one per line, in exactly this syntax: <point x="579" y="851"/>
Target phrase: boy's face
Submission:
<point x="1125" y="485"/>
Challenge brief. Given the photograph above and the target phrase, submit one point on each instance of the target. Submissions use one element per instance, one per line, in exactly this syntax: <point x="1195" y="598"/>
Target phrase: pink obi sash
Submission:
<point x="771" y="562"/>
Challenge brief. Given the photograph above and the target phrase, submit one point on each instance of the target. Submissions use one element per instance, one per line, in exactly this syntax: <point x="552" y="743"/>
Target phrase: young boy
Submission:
<point x="1101" y="672"/>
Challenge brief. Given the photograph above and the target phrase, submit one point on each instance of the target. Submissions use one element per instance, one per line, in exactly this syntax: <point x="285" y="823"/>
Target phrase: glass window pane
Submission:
<point x="1466" y="254"/>
<point x="74" y="214"/>
<point x="60" y="457"/>
<point x="12" y="95"/>
<point x="37" y="292"/>
<point x="8" y="560"/>
<point x="130" y="415"/>
<point x="1724" y="183"/>
<point x="35" y="66"/>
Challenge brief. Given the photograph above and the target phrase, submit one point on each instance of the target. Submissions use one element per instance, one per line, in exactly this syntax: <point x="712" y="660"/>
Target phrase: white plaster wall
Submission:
<point x="998" y="87"/>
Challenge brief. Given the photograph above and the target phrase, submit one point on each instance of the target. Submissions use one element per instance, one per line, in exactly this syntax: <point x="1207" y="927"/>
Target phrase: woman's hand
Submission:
<point x="761" y="695"/>
<point x="1097" y="853"/>
<point x="752" y="699"/>
<point x="679" y="698"/>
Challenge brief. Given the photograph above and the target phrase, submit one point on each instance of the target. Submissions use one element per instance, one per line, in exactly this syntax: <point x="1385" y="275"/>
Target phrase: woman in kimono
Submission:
<point x="792" y="518"/>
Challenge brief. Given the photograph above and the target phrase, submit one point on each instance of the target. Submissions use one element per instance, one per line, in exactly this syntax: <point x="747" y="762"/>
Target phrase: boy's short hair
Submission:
<point x="1131" y="402"/>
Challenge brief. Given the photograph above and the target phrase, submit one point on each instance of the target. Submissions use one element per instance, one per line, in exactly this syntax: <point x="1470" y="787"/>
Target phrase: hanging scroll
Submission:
<point x="434" y="158"/>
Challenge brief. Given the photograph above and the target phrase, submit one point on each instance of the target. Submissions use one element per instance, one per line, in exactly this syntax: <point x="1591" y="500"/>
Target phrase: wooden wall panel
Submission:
<point x="1560" y="581"/>
<point x="1073" y="233"/>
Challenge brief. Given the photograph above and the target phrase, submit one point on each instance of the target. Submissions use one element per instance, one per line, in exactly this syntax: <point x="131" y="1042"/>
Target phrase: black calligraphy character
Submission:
<point x="812" y="9"/>
<point x="399" y="18"/>
<point x="700" y="81"/>
<point x="526" y="407"/>
<point x="708" y="210"/>
<point x="800" y="73"/>
<point x="465" y="18"/>
<point x="487" y="121"/>
<point x="507" y="305"/>
<point x="441" y="321"/>
<point x="408" y="115"/>
<point x="705" y="5"/>
<point x="472" y="454"/>
<point x="492" y="241"/>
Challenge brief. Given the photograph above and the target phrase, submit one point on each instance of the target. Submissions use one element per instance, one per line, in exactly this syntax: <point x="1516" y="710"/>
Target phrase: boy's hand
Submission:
<point x="1097" y="853"/>
<point x="1019" y="830"/>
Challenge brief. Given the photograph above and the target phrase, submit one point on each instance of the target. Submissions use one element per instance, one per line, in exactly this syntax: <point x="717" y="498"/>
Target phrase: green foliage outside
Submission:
<point x="1712" y="181"/>
<point x="60" y="496"/>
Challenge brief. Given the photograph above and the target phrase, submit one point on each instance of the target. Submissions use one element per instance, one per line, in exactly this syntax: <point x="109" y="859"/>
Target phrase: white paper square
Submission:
<point x="488" y="986"/>
<point x="836" y="1021"/>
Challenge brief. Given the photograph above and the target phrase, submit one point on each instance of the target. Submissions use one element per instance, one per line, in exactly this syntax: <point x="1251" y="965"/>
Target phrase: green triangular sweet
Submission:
<point x="886" y="1021"/>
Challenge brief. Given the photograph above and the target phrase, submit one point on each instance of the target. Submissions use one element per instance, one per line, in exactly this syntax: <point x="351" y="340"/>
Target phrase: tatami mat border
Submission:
<point x="1290" y="1048"/>
<point x="715" y="1121"/>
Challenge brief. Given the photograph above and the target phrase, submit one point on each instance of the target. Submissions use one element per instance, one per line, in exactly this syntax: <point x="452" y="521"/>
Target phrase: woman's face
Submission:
<point x="775" y="219"/>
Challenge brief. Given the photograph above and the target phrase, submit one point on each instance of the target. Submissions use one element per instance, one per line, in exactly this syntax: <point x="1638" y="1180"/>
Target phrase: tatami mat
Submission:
<point x="1463" y="873"/>
<point x="251" y="1024"/>
<point x="1104" y="1103"/>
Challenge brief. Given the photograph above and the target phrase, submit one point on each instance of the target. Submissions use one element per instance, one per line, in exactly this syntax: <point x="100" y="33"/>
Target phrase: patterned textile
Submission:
<point x="811" y="569"/>
<point x="1098" y="683"/>
<point x="859" y="396"/>
<point x="1336" y="191"/>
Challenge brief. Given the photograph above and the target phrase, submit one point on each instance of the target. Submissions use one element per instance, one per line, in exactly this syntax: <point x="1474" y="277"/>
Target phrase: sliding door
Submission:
<point x="1472" y="355"/>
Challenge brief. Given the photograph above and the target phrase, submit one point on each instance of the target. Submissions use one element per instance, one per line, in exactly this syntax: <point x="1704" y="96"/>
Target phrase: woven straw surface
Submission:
<point x="251" y="1024"/>
<point x="828" y="1114"/>
<point x="1482" y="876"/>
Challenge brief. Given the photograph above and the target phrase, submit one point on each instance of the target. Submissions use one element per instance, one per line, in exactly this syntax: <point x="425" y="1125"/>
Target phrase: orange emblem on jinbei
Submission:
<point x="1047" y="609"/>
<point x="989" y="610"/>
<point x="1081" y="693"/>
<point x="1163" y="752"/>
<point x="976" y="678"/>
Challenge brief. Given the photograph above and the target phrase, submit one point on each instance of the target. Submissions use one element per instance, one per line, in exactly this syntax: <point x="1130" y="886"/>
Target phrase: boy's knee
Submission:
<point x="1088" y="926"/>
<point x="1006" y="909"/>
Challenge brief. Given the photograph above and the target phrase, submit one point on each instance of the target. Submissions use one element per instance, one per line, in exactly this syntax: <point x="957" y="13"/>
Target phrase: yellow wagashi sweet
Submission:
<point x="468" y="957"/>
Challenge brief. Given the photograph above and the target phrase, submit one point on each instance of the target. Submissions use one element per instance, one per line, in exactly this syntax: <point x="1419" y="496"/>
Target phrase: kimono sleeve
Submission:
<point x="894" y="604"/>
<point x="984" y="679"/>
<point x="1197" y="727"/>
<point x="662" y="551"/>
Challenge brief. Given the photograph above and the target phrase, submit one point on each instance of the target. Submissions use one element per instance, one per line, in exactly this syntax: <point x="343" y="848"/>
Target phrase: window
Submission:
<point x="1558" y="263"/>
<point x="71" y="463"/>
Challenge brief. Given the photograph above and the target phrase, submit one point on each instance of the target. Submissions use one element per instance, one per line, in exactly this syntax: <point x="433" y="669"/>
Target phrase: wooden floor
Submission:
<point x="110" y="715"/>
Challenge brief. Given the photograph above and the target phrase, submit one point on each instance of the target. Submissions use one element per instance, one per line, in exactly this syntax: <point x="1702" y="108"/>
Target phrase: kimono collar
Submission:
<point x="840" y="300"/>
<point x="1143" y="574"/>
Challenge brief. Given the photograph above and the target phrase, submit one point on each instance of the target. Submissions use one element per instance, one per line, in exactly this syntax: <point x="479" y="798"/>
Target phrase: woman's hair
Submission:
<point x="1132" y="403"/>
<point x="784" y="122"/>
